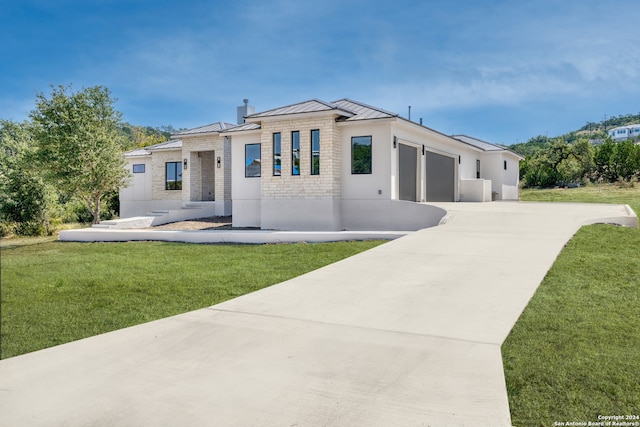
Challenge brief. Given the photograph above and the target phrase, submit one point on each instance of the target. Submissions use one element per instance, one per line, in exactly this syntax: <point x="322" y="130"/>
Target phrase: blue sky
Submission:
<point x="503" y="71"/>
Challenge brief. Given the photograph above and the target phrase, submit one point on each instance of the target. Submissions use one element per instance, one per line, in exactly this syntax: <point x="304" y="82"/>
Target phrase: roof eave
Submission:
<point x="224" y="126"/>
<point x="165" y="149"/>
<point x="241" y="131"/>
<point x="499" y="148"/>
<point x="355" y="122"/>
<point x="361" y="104"/>
<point x="449" y="137"/>
<point x="266" y="118"/>
<point x="187" y="135"/>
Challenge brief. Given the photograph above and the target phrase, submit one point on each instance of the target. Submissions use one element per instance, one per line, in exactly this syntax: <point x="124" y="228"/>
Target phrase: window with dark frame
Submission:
<point x="315" y="152"/>
<point x="361" y="155"/>
<point x="277" y="154"/>
<point x="252" y="166"/>
<point x="295" y="152"/>
<point x="138" y="168"/>
<point x="173" y="176"/>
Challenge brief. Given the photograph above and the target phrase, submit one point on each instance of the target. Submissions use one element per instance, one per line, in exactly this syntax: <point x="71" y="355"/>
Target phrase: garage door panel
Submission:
<point x="440" y="176"/>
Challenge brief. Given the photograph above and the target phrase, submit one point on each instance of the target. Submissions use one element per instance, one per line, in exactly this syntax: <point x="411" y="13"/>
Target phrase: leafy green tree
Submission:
<point x="559" y="164"/>
<point x="143" y="136"/>
<point x="602" y="158"/>
<point x="617" y="160"/>
<point x="538" y="172"/>
<point x="625" y="160"/>
<point x="532" y="146"/>
<point x="25" y="199"/>
<point x="581" y="157"/>
<point x="78" y="142"/>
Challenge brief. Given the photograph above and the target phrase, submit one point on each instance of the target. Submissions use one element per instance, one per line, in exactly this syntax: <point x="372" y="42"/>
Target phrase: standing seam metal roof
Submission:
<point x="632" y="126"/>
<point x="362" y="111"/>
<point x="478" y="143"/>
<point x="483" y="145"/>
<point x="311" y="106"/>
<point x="173" y="144"/>
<point x="214" y="127"/>
<point x="349" y="110"/>
<point x="244" y="126"/>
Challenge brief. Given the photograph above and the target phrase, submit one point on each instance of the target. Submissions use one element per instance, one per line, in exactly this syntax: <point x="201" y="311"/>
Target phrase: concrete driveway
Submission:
<point x="406" y="334"/>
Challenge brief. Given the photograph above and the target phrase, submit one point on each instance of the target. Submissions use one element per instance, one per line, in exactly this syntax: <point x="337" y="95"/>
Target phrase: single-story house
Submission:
<point x="318" y="165"/>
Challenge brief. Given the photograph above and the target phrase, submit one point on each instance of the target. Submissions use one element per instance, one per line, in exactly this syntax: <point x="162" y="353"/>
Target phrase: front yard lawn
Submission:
<point x="606" y="193"/>
<point x="574" y="353"/>
<point x="56" y="292"/>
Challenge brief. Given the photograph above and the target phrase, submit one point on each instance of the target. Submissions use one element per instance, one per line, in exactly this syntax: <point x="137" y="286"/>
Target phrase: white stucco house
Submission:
<point x="318" y="165"/>
<point x="622" y="133"/>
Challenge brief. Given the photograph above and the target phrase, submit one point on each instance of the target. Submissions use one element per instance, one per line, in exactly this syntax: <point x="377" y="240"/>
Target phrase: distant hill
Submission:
<point x="592" y="131"/>
<point x="611" y="122"/>
<point x="143" y="136"/>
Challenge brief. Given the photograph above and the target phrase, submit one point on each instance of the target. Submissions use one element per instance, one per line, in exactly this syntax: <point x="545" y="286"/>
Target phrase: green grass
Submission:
<point x="574" y="353"/>
<point x="590" y="194"/>
<point x="56" y="292"/>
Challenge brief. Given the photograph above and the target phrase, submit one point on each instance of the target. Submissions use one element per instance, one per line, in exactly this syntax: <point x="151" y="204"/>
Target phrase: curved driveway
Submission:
<point x="405" y="334"/>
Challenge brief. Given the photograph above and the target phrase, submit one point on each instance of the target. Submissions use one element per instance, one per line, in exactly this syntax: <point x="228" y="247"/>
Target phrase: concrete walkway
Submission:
<point x="223" y="236"/>
<point x="406" y="334"/>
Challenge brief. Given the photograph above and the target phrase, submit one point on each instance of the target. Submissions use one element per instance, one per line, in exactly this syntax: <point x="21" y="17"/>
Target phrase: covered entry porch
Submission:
<point x="200" y="167"/>
<point x="204" y="177"/>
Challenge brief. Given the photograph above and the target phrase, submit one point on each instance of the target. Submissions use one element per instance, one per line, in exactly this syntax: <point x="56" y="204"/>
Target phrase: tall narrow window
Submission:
<point x="361" y="155"/>
<point x="252" y="160"/>
<point x="315" y="152"/>
<point x="173" y="176"/>
<point x="295" y="152"/>
<point x="277" y="154"/>
<point x="478" y="169"/>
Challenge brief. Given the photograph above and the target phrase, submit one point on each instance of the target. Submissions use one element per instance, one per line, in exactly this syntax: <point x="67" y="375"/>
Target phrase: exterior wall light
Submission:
<point x="395" y="141"/>
<point x="218" y="162"/>
<point x="184" y="164"/>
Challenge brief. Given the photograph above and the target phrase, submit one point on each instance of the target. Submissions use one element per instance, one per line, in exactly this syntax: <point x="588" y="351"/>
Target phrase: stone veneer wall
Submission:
<point x="159" y="158"/>
<point x="305" y="185"/>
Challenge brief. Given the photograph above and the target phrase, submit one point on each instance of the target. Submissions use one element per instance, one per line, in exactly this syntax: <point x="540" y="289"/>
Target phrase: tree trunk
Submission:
<point x="96" y="210"/>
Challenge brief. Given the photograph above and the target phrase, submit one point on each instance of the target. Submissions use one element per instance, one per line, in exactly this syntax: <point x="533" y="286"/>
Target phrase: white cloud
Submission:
<point x="490" y="87"/>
